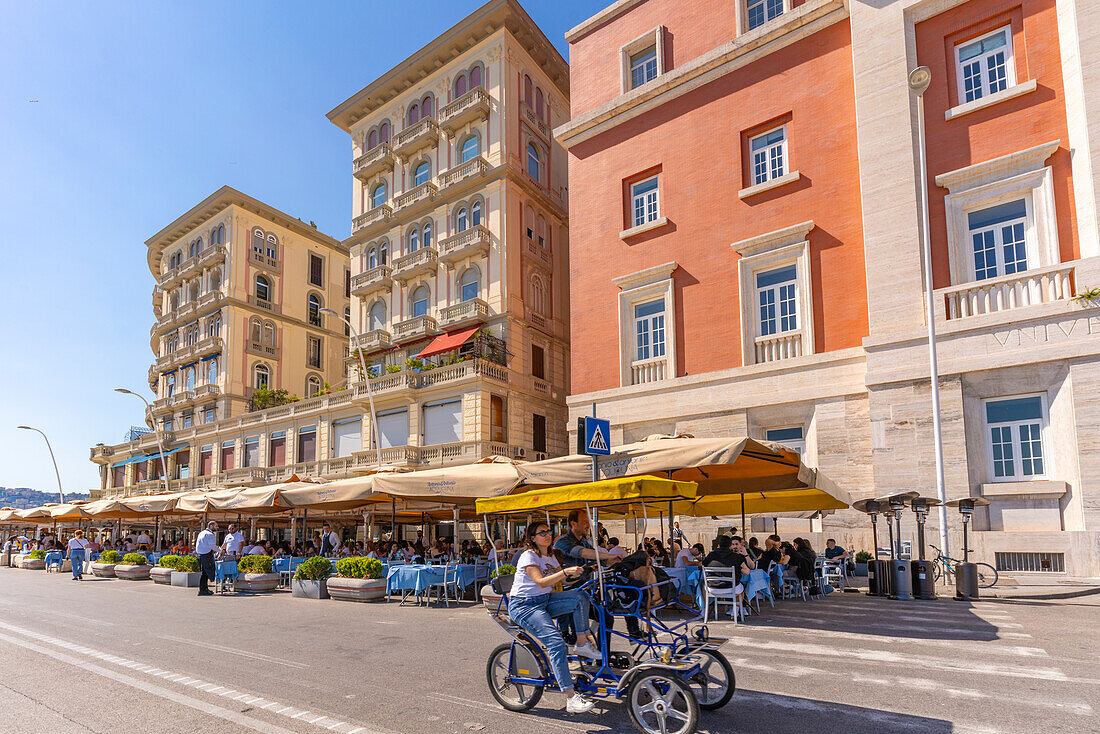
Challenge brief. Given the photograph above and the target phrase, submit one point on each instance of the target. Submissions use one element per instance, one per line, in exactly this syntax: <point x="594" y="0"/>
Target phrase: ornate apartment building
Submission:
<point x="457" y="285"/>
<point x="744" y="199"/>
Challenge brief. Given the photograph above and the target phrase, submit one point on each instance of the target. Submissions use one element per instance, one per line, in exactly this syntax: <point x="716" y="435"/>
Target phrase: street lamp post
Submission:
<point x="376" y="444"/>
<point x="156" y="432"/>
<point x="60" y="493"/>
<point x="919" y="79"/>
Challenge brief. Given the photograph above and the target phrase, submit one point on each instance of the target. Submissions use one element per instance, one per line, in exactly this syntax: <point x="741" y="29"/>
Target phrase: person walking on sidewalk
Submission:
<point x="205" y="546"/>
<point x="77" y="548"/>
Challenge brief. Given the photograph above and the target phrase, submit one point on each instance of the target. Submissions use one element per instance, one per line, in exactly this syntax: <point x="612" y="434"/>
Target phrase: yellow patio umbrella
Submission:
<point x="620" y="497"/>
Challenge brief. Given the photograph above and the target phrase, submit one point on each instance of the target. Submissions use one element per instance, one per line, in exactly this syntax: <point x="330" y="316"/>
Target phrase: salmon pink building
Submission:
<point x="745" y="226"/>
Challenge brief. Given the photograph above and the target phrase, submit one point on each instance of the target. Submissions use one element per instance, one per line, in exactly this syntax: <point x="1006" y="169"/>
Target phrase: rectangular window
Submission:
<point x="393" y="428"/>
<point x="313" y="352"/>
<point x="316" y="270"/>
<point x="251" y="451"/>
<point x="643" y="67"/>
<point x="777" y="298"/>
<point x="538" y="362"/>
<point x="276" y="455"/>
<point x="538" y="432"/>
<point x="347" y="284"/>
<point x="1014" y="431"/>
<point x="167" y="425"/>
<point x="183" y="465"/>
<point x="643" y="202"/>
<point x="792" y="438"/>
<point x="984" y="66"/>
<point x="649" y="330"/>
<point x="228" y="451"/>
<point x="208" y="415"/>
<point x="769" y="155"/>
<point x="206" y="461"/>
<point x="307" y="444"/>
<point x="347" y="437"/>
<point x="188" y="419"/>
<point x="443" y="422"/>
<point x="761" y="11"/>
<point x="997" y="236"/>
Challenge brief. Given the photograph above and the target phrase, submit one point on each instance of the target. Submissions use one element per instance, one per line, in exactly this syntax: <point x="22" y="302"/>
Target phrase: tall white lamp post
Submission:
<point x="366" y="381"/>
<point x="919" y="79"/>
<point x="156" y="431"/>
<point x="60" y="494"/>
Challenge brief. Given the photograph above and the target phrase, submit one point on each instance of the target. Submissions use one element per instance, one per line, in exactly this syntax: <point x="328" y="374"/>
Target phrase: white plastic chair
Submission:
<point x="450" y="581"/>
<point x="720" y="587"/>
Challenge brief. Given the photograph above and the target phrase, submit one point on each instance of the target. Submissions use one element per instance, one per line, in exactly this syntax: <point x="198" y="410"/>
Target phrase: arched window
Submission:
<point x="194" y="247"/>
<point x="413" y="240"/>
<point x="460" y="85"/>
<point x="263" y="289"/>
<point x="212" y="371"/>
<point x="542" y="230"/>
<point x="269" y="334"/>
<point x="313" y="309"/>
<point x="383" y="252"/>
<point x="313" y="386"/>
<point x="174" y="301"/>
<point x="189" y="379"/>
<point x="418" y="301"/>
<point x="469" y="285"/>
<point x="538" y="102"/>
<point x="258" y="240"/>
<point x="378" y="195"/>
<point x="214" y="326"/>
<point x="462" y="222"/>
<point x="423" y="173"/>
<point x="261" y="376"/>
<point x="378" y="315"/>
<point x="426" y="106"/>
<point x="372" y="259"/>
<point x="254" y="328"/>
<point x="272" y="246"/>
<point x="372" y="140"/>
<point x="533" y="163"/>
<point x="527" y="90"/>
<point x="426" y="234"/>
<point x="537" y="294"/>
<point x="471" y="146"/>
<point x="475" y="77"/>
<point x="414" y="113"/>
<point x="217" y="235"/>
<point x="384" y="132"/>
<point x="475" y="214"/>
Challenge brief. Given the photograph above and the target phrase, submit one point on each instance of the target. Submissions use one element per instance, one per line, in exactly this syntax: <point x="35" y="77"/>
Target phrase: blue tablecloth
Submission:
<point x="416" y="577"/>
<point x="690" y="581"/>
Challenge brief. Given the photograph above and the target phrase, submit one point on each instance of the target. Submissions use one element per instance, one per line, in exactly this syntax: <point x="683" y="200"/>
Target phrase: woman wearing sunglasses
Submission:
<point x="536" y="598"/>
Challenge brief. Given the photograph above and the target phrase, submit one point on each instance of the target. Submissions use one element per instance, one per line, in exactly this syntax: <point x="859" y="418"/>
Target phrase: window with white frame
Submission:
<point x="777" y="300"/>
<point x="758" y="12"/>
<point x="644" y="205"/>
<point x="793" y="438"/>
<point x="1014" y="437"/>
<point x="418" y="301"/>
<point x="470" y="284"/>
<point x="984" y="65"/>
<point x="643" y="67"/>
<point x="997" y="237"/>
<point x="769" y="155"/>
<point x="649" y="330"/>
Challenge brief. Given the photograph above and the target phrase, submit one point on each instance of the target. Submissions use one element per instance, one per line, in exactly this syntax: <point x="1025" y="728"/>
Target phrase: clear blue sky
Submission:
<point x="117" y="117"/>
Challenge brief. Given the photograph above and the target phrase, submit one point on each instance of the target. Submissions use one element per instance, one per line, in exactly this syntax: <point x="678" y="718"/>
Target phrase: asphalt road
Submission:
<point x="116" y="656"/>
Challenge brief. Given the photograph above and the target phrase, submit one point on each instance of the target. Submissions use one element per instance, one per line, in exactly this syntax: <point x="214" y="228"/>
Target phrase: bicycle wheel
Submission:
<point x="714" y="684"/>
<point x="937" y="572"/>
<point x="661" y="703"/>
<point x="512" y="696"/>
<point x="987" y="575"/>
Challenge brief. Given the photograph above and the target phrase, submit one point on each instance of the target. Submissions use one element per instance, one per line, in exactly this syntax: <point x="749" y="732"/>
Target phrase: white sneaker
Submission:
<point x="588" y="650"/>
<point x="578" y="704"/>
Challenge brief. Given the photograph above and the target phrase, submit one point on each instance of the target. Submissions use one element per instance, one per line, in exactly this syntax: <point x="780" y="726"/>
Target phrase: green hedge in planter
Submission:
<point x="135" y="559"/>
<point x="863" y="557"/>
<point x="359" y="567"/>
<point x="37" y="555"/>
<point x="188" y="564"/>
<point x="313" y="569"/>
<point x="255" y="564"/>
<point x="110" y="557"/>
<point x="506" y="569"/>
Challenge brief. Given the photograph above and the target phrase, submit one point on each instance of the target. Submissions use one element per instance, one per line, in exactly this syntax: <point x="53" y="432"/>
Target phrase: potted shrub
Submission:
<point x="499" y="578"/>
<point x="254" y="574"/>
<point x="162" y="572"/>
<point x="105" y="566"/>
<point x="35" y="560"/>
<point x="862" y="559"/>
<point x="358" y="578"/>
<point x="134" y="567"/>
<point x="310" y="577"/>
<point x="185" y="572"/>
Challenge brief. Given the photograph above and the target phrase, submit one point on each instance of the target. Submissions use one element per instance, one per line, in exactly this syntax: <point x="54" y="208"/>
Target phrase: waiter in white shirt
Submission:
<point x="144" y="542"/>
<point x="233" y="542"/>
<point x="205" y="546"/>
<point x="330" y="541"/>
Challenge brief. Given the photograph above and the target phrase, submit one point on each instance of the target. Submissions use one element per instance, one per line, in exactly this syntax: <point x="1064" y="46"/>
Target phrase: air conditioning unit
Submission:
<point x="539" y="456"/>
<point x="521" y="453"/>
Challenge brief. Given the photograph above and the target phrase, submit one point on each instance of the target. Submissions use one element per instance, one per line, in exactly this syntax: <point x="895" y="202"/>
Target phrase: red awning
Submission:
<point x="447" y="342"/>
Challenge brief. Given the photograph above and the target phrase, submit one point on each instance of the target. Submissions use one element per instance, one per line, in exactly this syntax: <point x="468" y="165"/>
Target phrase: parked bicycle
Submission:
<point x="945" y="566"/>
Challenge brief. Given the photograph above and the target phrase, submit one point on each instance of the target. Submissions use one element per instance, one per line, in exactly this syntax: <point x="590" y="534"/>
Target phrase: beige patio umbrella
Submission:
<point x="68" y="512"/>
<point x="243" y="501"/>
<point x="8" y="515"/>
<point x="453" y="485"/>
<point x="35" y="513"/>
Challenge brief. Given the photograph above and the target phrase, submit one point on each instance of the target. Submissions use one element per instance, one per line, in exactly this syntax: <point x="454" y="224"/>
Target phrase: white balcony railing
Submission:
<point x="469" y="242"/>
<point x="474" y="105"/>
<point x="415" y="137"/>
<point x="414" y="328"/>
<point x="774" y="347"/>
<point x="467" y="312"/>
<point x="416" y="195"/>
<point x="648" y="371"/>
<point x="378" y="158"/>
<point x="376" y="279"/>
<point x="471" y="169"/>
<point x="371" y="340"/>
<point x="1031" y="287"/>
<point x="424" y="260"/>
<point x="380" y="213"/>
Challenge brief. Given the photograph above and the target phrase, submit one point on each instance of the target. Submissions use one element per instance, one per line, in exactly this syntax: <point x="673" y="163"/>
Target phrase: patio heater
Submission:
<point x="878" y="571"/>
<point x="966" y="573"/>
<point x="924" y="586"/>
<point x="901" y="579"/>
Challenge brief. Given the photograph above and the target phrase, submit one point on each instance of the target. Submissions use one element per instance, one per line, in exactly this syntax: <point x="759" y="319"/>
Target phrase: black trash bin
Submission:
<point x="901" y="580"/>
<point x="966" y="581"/>
<point x="878" y="577"/>
<point x="924" y="585"/>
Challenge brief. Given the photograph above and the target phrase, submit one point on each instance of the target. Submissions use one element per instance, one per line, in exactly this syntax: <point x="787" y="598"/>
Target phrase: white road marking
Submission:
<point x="482" y="706"/>
<point x="234" y="651"/>
<point x="956" y="645"/>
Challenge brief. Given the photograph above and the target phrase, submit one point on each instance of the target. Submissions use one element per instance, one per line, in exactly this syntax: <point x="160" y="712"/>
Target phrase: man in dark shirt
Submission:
<point x="730" y="553"/>
<point x="834" y="552"/>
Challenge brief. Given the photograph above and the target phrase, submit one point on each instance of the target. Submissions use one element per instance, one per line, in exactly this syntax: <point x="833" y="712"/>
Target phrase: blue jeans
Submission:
<point x="76" y="558"/>
<point x="535" y="614"/>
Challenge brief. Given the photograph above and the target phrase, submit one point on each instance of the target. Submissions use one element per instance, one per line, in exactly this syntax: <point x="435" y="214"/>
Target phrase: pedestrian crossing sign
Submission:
<point x="595" y="436"/>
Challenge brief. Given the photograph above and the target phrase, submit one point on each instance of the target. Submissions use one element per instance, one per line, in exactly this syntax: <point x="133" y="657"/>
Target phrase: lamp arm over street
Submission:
<point x="156" y="432"/>
<point x="60" y="492"/>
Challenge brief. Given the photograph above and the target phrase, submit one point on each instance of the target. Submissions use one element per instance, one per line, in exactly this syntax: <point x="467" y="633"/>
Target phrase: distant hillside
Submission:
<point x="22" y="498"/>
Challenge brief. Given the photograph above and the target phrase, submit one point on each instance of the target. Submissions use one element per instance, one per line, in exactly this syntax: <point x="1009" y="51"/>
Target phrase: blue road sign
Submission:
<point x="597" y="437"/>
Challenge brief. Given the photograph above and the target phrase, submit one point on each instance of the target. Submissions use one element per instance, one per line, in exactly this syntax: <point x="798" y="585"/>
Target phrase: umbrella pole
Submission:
<point x="305" y="528"/>
<point x="393" y="518"/>
<point x="252" y="529"/>
<point x="671" y="533"/>
<point x="594" y="519"/>
<point x="744" y="530"/>
<point x="156" y="533"/>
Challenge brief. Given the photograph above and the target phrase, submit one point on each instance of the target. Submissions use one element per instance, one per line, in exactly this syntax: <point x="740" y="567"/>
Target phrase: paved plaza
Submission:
<point x="107" y="656"/>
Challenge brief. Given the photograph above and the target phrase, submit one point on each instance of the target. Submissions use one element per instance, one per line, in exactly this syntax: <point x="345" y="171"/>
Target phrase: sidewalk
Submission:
<point x="1016" y="588"/>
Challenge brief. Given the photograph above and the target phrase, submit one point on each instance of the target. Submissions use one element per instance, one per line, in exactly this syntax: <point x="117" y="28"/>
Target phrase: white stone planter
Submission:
<point x="309" y="589"/>
<point x="161" y="575"/>
<point x="491" y="599"/>
<point x="132" y="573"/>
<point x="356" y="589"/>
<point x="34" y="564"/>
<point x="257" y="583"/>
<point x="103" y="570"/>
<point x="187" y="579"/>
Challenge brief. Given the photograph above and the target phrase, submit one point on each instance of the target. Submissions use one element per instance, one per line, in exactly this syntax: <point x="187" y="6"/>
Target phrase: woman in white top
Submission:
<point x="533" y="603"/>
<point x="76" y="548"/>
